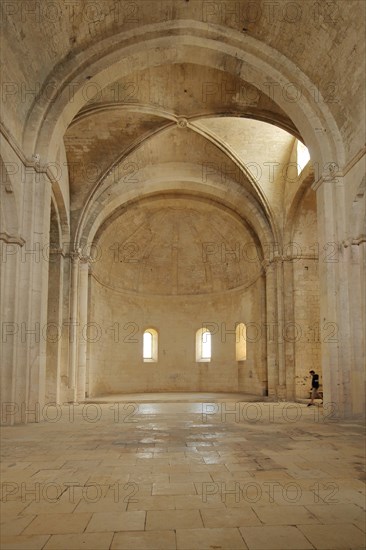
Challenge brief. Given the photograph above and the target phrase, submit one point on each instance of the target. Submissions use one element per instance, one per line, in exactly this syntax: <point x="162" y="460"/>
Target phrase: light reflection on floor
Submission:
<point x="207" y="472"/>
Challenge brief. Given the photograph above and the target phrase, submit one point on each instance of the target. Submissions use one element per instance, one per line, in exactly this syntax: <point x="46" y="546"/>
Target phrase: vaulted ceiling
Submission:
<point x="181" y="96"/>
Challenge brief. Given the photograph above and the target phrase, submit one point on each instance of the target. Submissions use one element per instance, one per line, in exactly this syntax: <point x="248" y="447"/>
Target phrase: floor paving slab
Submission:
<point x="176" y="478"/>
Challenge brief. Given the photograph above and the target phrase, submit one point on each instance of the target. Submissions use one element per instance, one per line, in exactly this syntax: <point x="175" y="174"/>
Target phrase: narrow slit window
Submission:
<point x="147" y="345"/>
<point x="150" y="346"/>
<point x="203" y="345"/>
<point x="241" y="342"/>
<point x="206" y="345"/>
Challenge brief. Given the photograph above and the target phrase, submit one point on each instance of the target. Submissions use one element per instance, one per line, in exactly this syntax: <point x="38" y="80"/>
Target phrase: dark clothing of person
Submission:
<point x="315" y="381"/>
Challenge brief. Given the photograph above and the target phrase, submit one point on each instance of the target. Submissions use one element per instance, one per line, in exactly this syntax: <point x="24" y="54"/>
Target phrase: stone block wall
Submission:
<point x="115" y="359"/>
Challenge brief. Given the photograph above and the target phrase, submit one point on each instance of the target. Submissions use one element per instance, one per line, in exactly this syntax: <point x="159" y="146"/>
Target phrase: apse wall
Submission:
<point x="175" y="266"/>
<point x="116" y="363"/>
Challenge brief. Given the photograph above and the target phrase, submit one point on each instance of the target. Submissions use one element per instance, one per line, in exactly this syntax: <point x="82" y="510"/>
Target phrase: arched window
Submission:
<point x="302" y="156"/>
<point x="241" y="342"/>
<point x="203" y="345"/>
<point x="150" y="346"/>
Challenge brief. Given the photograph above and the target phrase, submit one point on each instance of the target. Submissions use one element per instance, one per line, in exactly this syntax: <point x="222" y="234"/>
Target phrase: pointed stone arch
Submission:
<point x="187" y="40"/>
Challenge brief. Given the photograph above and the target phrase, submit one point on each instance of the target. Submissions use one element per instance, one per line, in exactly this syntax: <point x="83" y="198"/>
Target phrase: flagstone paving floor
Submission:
<point x="220" y="473"/>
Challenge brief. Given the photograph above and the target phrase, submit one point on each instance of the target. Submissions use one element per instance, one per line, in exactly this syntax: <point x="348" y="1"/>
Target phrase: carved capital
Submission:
<point x="11" y="239"/>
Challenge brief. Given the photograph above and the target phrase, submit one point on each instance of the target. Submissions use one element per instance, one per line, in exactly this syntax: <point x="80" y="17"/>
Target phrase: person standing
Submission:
<point x="314" y="387"/>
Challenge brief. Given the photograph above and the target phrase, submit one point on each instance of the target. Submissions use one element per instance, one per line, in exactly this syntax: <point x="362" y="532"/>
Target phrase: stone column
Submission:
<point x="263" y="369"/>
<point x="87" y="391"/>
<point x="73" y="332"/>
<point x="83" y="321"/>
<point x="271" y="329"/>
<point x="65" y="297"/>
<point x="54" y="326"/>
<point x="343" y="331"/>
<point x="10" y="247"/>
<point x="289" y="334"/>
<point x="357" y="274"/>
<point x="281" y="388"/>
<point x="30" y="357"/>
<point x="328" y="281"/>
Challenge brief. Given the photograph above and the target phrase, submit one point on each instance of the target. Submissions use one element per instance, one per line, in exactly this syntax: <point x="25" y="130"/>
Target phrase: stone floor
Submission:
<point x="176" y="397"/>
<point x="209" y="474"/>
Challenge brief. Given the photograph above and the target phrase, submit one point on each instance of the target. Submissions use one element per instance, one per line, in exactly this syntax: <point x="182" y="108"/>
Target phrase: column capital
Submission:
<point x="273" y="260"/>
<point x="77" y="256"/>
<point x="85" y="261"/>
<point x="354" y="241"/>
<point x="57" y="251"/>
<point x="74" y="255"/>
<point x="11" y="239"/>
